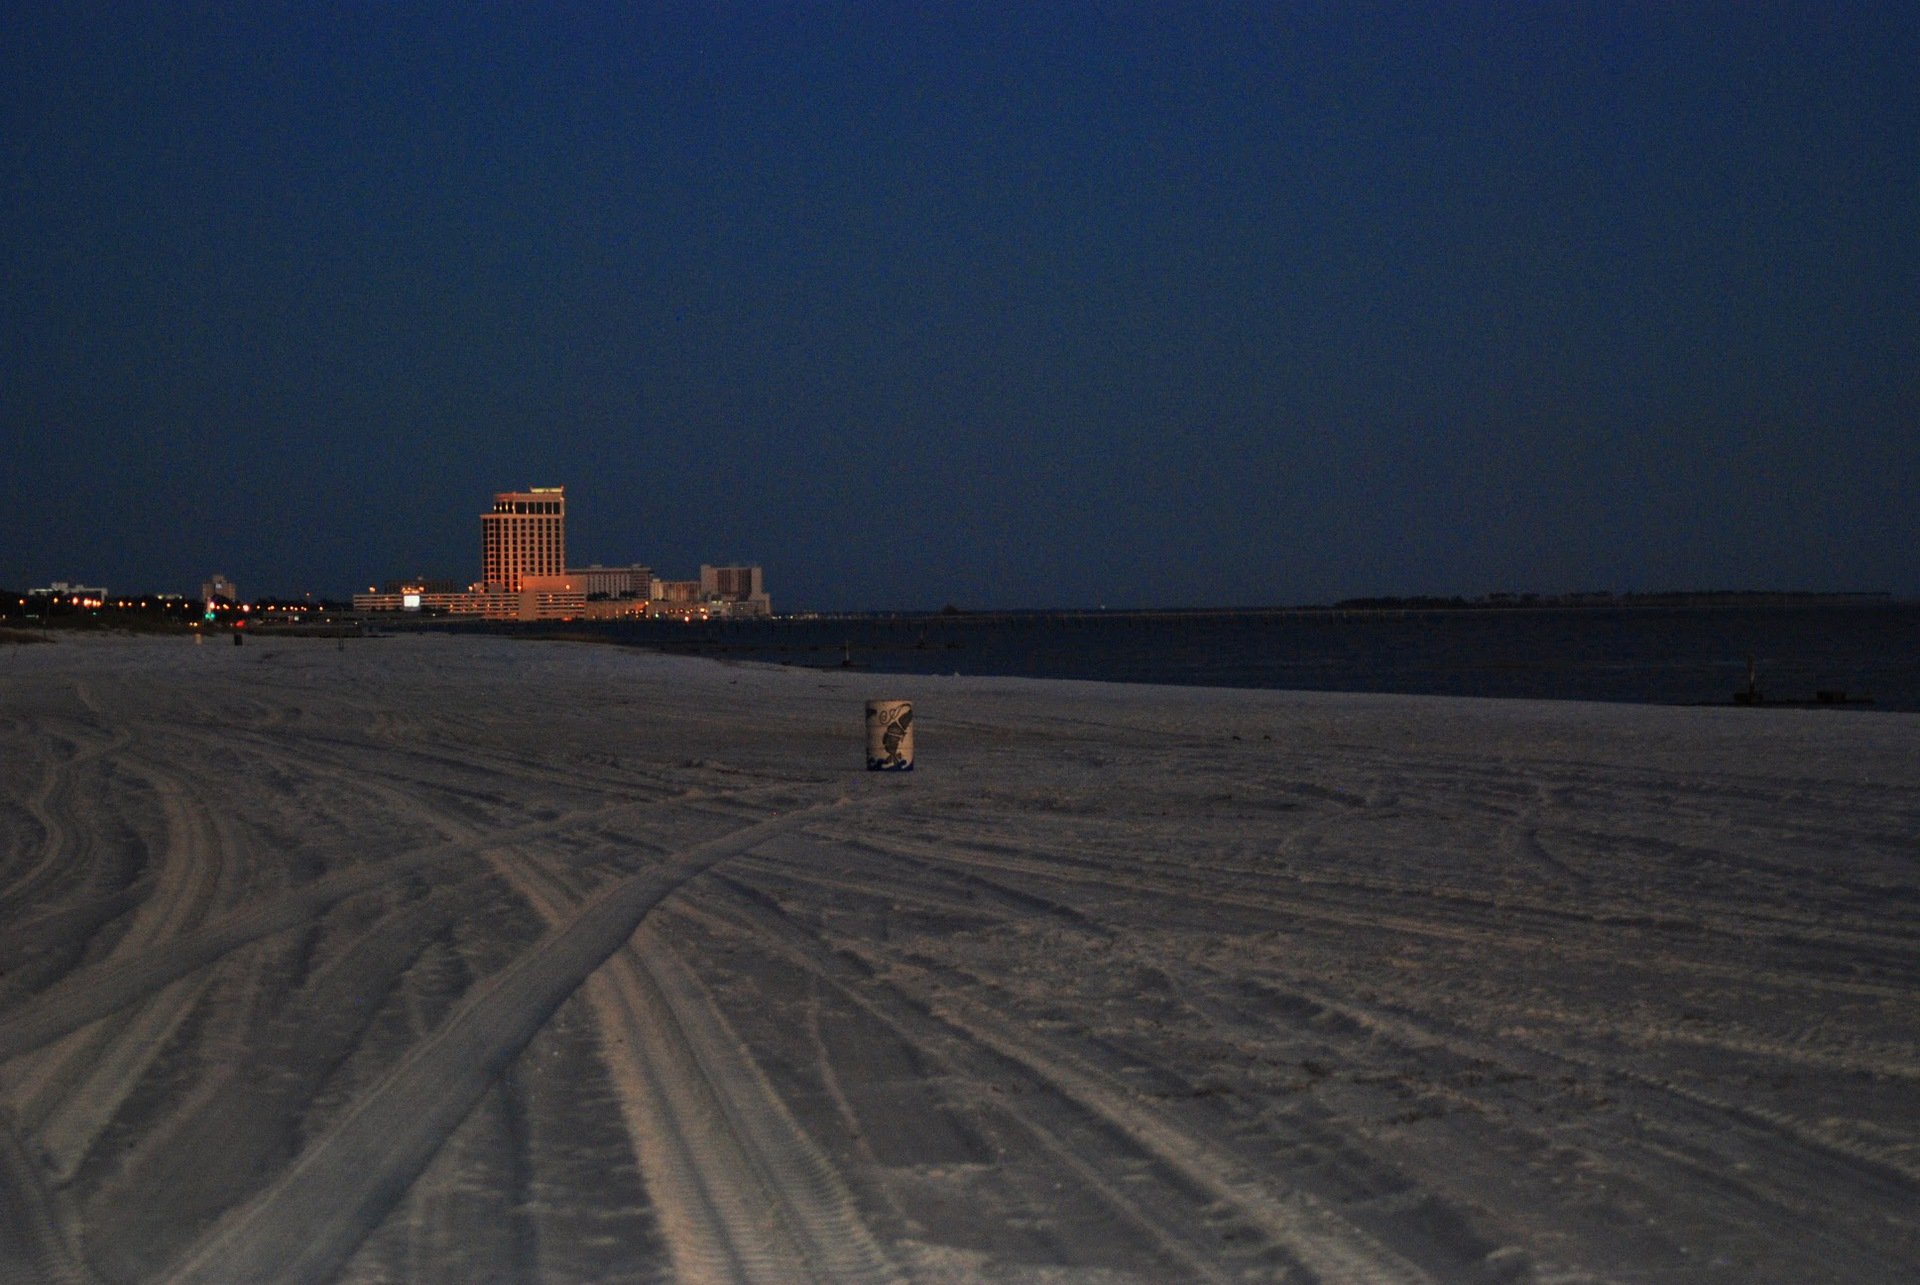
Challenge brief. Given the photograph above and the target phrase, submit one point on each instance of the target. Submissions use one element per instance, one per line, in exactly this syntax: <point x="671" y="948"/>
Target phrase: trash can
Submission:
<point x="890" y="736"/>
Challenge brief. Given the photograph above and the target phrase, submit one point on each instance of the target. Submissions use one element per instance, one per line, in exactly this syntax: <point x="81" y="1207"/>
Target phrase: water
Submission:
<point x="1671" y="655"/>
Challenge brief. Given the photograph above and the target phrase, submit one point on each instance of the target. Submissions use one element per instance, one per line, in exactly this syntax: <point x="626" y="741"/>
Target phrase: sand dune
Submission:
<point x="426" y="958"/>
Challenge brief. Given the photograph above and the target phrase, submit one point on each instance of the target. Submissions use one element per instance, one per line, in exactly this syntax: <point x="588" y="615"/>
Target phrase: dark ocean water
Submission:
<point x="1677" y="655"/>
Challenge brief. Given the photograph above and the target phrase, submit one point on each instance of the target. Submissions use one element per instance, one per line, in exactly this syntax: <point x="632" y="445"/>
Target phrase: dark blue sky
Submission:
<point x="994" y="305"/>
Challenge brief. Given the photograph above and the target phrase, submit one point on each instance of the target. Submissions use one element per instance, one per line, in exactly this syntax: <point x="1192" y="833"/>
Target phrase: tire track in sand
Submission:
<point x="1553" y="930"/>
<point x="34" y="1249"/>
<point x="1182" y="1243"/>
<point x="306" y="1225"/>
<point x="66" y="838"/>
<point x="957" y="1031"/>
<point x="68" y="1092"/>
<point x="243" y="1119"/>
<point x="91" y="993"/>
<point x="1331" y="1247"/>
<point x="741" y="1192"/>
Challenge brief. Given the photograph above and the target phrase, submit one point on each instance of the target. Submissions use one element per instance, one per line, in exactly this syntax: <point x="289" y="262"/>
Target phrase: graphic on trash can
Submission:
<point x="890" y="736"/>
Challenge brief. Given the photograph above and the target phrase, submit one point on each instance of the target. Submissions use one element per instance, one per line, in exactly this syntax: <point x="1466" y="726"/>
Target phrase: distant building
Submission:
<point x="538" y="598"/>
<point x="721" y="593"/>
<point x="615" y="609"/>
<point x="679" y="592"/>
<point x="219" y="587"/>
<point x="524" y="576"/>
<point x="523" y="558"/>
<point x="524" y="536"/>
<point x="743" y="589"/>
<point x="635" y="581"/>
<point x="78" y="593"/>
<point x="432" y="596"/>
<point x="423" y="584"/>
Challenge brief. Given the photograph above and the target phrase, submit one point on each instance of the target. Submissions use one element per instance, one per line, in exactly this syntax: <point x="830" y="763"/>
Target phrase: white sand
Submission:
<point x="318" y="962"/>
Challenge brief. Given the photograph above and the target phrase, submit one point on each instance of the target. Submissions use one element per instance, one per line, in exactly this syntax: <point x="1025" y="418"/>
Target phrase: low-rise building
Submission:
<point x="537" y="598"/>
<point x="78" y="594"/>
<point x="742" y="588"/>
<point x="405" y="595"/>
<point x="634" y="581"/>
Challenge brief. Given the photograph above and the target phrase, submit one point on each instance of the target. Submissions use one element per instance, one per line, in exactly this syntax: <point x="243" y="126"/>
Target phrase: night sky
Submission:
<point x="1011" y="305"/>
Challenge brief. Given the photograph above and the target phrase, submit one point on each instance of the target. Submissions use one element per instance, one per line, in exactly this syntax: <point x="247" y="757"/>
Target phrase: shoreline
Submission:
<point x="718" y="653"/>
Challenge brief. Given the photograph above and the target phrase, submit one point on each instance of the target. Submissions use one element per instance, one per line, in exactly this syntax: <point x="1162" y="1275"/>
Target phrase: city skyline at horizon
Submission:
<point x="526" y="575"/>
<point x="389" y="585"/>
<point x="1126" y="305"/>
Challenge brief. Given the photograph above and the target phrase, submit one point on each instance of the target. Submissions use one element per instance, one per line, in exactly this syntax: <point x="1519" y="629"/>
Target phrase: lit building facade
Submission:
<point x="741" y="590"/>
<point x="78" y="594"/>
<point x="524" y="576"/>
<point x="525" y="536"/>
<point x="614" y="582"/>
<point x="675" y="591"/>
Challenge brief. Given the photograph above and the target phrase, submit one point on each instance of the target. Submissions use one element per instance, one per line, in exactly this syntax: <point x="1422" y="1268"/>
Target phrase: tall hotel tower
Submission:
<point x="525" y="536"/>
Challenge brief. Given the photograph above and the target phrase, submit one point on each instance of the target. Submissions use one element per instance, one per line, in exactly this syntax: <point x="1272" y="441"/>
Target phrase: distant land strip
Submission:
<point x="1348" y="606"/>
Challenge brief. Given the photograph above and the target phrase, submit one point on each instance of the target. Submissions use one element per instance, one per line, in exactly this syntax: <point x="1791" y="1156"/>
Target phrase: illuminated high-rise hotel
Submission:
<point x="525" y="536"/>
<point x="524" y="576"/>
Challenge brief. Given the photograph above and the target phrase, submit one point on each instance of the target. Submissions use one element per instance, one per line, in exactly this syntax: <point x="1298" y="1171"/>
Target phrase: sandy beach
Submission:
<point x="425" y="958"/>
